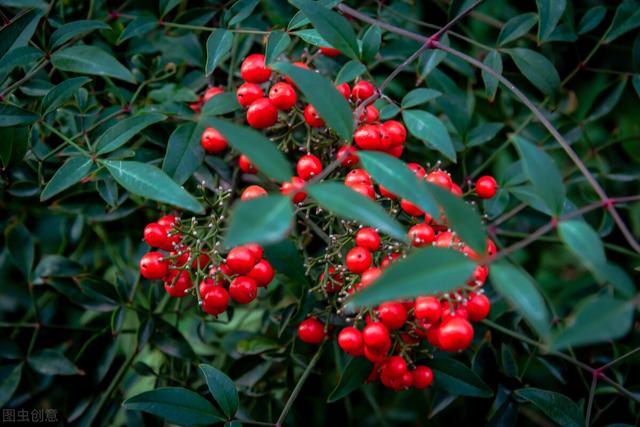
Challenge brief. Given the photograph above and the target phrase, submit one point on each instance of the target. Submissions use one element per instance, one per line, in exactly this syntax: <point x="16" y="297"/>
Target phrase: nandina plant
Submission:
<point x="367" y="212"/>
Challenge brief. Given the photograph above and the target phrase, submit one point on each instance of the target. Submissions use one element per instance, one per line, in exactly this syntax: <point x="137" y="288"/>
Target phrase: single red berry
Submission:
<point x="480" y="274"/>
<point x="386" y="193"/>
<point x="329" y="51"/>
<point x="350" y="341"/>
<point x="241" y="260"/>
<point x="255" y="249"/>
<point x="153" y="266"/>
<point x="262" y="114"/>
<point x="358" y="260"/>
<point x="348" y="156"/>
<point x="311" y="331"/>
<point x="396" y="130"/>
<point x="440" y="178"/>
<point x="376" y="336"/>
<point x="370" y="114"/>
<point x="368" y="238"/>
<point x="344" y="90"/>
<point x="254" y="70"/>
<point x="422" y="377"/>
<point x="478" y="307"/>
<point x="213" y="141"/>
<point x="216" y="300"/>
<point x="421" y="235"/>
<point x="207" y="284"/>
<point x="168" y="221"/>
<point x="417" y="169"/>
<point x="486" y="187"/>
<point x="357" y="176"/>
<point x="262" y="273"/>
<point x="428" y="309"/>
<point x="243" y="289"/>
<point x="455" y="334"/>
<point x="410" y="208"/>
<point x="456" y="190"/>
<point x="312" y="117"/>
<point x="210" y="93"/>
<point x="363" y="90"/>
<point x="369" y="276"/>
<point x="155" y="235"/>
<point x="392" y="314"/>
<point x="245" y="165"/>
<point x="385" y="139"/>
<point x="376" y="355"/>
<point x="252" y="192"/>
<point x="433" y="335"/>
<point x="396" y="150"/>
<point x="396" y="366"/>
<point x="247" y="93"/>
<point x="365" y="190"/>
<point x="367" y="137"/>
<point x="308" y="166"/>
<point x="283" y="96"/>
<point x="181" y="286"/>
<point x="295" y="187"/>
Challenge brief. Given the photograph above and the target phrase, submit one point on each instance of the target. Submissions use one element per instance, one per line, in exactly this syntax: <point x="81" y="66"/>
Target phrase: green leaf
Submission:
<point x="241" y="10"/>
<point x="543" y="174"/>
<point x="584" y="242"/>
<point x="395" y="176"/>
<point x="59" y="94"/>
<point x="389" y="111"/>
<point x="150" y="182"/>
<point x="508" y="361"/>
<point x="85" y="59"/>
<point x="167" y="6"/>
<point x="55" y="266"/>
<point x="19" y="31"/>
<point x="550" y="12"/>
<point x="591" y="19"/>
<point x="371" y="41"/>
<point x="312" y="37"/>
<point x="218" y="45"/>
<point x="605" y="106"/>
<point x="184" y="152"/>
<point x="350" y="71"/>
<point x="516" y="27"/>
<point x="170" y="340"/>
<point x="353" y="376"/>
<point x="431" y="58"/>
<point x="19" y="57"/>
<point x="483" y="133"/>
<point x="52" y="362"/>
<point x="15" y="141"/>
<point x="429" y="129"/>
<point x="627" y="18"/>
<point x="261" y="220"/>
<point x="635" y="80"/>
<point x="425" y="271"/>
<point x="351" y="205"/>
<point x="457" y="379"/>
<point x="21" y="247"/>
<point x="519" y="289"/>
<point x="222" y="389"/>
<point x="120" y="133"/>
<point x="277" y="43"/>
<point x="556" y="406"/>
<point x="176" y="405"/>
<point x="493" y="60"/>
<point x="138" y="27"/>
<point x="262" y="152"/>
<point x="419" y="96"/>
<point x="10" y="376"/>
<point x="332" y="26"/>
<point x="324" y="96"/>
<point x="618" y="278"/>
<point x="536" y="68"/>
<point x="13" y="116"/>
<point x="74" y="29"/>
<point x="71" y="172"/>
<point x="222" y="103"/>
<point x="600" y="318"/>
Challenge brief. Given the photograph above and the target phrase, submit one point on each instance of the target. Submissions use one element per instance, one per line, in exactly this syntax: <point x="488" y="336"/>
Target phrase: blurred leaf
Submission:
<point x="371" y="40"/>
<point x="285" y="258"/>
<point x="353" y="376"/>
<point x="584" y="242"/>
<point x="424" y="271"/>
<point x="607" y="104"/>
<point x="59" y="94"/>
<point x="52" y="362"/>
<point x="218" y="45"/>
<point x="350" y="71"/>
<point x="70" y="173"/>
<point x="627" y="18"/>
<point x="457" y="379"/>
<point x="618" y="277"/>
<point x="256" y="345"/>
<point x="13" y="116"/>
<point x="21" y="247"/>
<point x="542" y="173"/>
<point x="556" y="406"/>
<point x="138" y="27"/>
<point x="429" y="129"/>
<point x="277" y="43"/>
<point x="509" y="364"/>
<point x="74" y="29"/>
<point x="419" y="96"/>
<point x="19" y="31"/>
<point x="120" y="133"/>
<point x="262" y="152"/>
<point x="261" y="220"/>
<point x="222" y="389"/>
<point x="241" y="10"/>
<point x="517" y="27"/>
<point x="323" y="95"/>
<point x="15" y="141"/>
<point x="600" y="318"/>
<point x="536" y="68"/>
<point x="55" y="266"/>
<point x="493" y="60"/>
<point x="591" y="19"/>
<point x="167" y="6"/>
<point x="168" y="339"/>
<point x="635" y="80"/>
<point x="184" y="152"/>
<point x="176" y="405"/>
<point x="351" y="205"/>
<point x="483" y="133"/>
<point x="550" y="12"/>
<point x="521" y="292"/>
<point x="332" y="26"/>
<point x="150" y="182"/>
<point x="85" y="59"/>
<point x="10" y="376"/>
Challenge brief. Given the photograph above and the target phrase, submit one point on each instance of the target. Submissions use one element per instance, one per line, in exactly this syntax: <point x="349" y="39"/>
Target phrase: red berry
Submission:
<point x="168" y="221"/>
<point x="386" y="261"/>
<point x="207" y="284"/>
<point x="255" y="249"/>
<point x="350" y="341"/>
<point x="245" y="165"/>
<point x="252" y="192"/>
<point x="410" y="208"/>
<point x="329" y="51"/>
<point x="363" y="90"/>
<point x="428" y="309"/>
<point x="241" y="260"/>
<point x="283" y="96"/>
<point x="247" y="93"/>
<point x="254" y="70"/>
<point x="478" y="307"/>
<point x="153" y="266"/>
<point x="262" y="114"/>
<point x="396" y="130"/>
<point x="480" y="274"/>
<point x="262" y="273"/>
<point x="311" y="331"/>
<point x="335" y="281"/>
<point x="243" y="289"/>
<point x="417" y="169"/>
<point x="358" y="260"/>
<point x="421" y="235"/>
<point x="396" y="366"/>
<point x="455" y="334"/>
<point x="368" y="238"/>
<point x="357" y="176"/>
<point x="203" y="259"/>
<point x="365" y="190"/>
<point x="155" y="235"/>
<point x="422" y="377"/>
<point x="386" y="193"/>
<point x="348" y="156"/>
<point x="369" y="276"/>
<point x="367" y="137"/>
<point x="376" y="336"/>
<point x="294" y="187"/>
<point x="344" y="90"/>
<point x="370" y="114"/>
<point x="440" y="178"/>
<point x="180" y="287"/>
<point x="216" y="300"/>
<point x="312" y="117"/>
<point x="308" y="166"/>
<point x="446" y="239"/>
<point x="213" y="141"/>
<point x="392" y="314"/>
<point x="377" y="355"/>
<point x="456" y="190"/>
<point x="486" y="187"/>
<point x="396" y="150"/>
<point x="210" y="93"/>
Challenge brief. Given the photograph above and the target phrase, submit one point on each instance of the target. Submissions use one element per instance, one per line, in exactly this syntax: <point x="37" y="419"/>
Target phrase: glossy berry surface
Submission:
<point x="253" y="69"/>
<point x="262" y="114"/>
<point x="311" y="331"/>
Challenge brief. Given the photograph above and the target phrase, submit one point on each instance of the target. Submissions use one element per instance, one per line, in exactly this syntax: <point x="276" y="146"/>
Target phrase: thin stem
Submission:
<point x="619" y="359"/>
<point x="65" y="138"/>
<point x="592" y="392"/>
